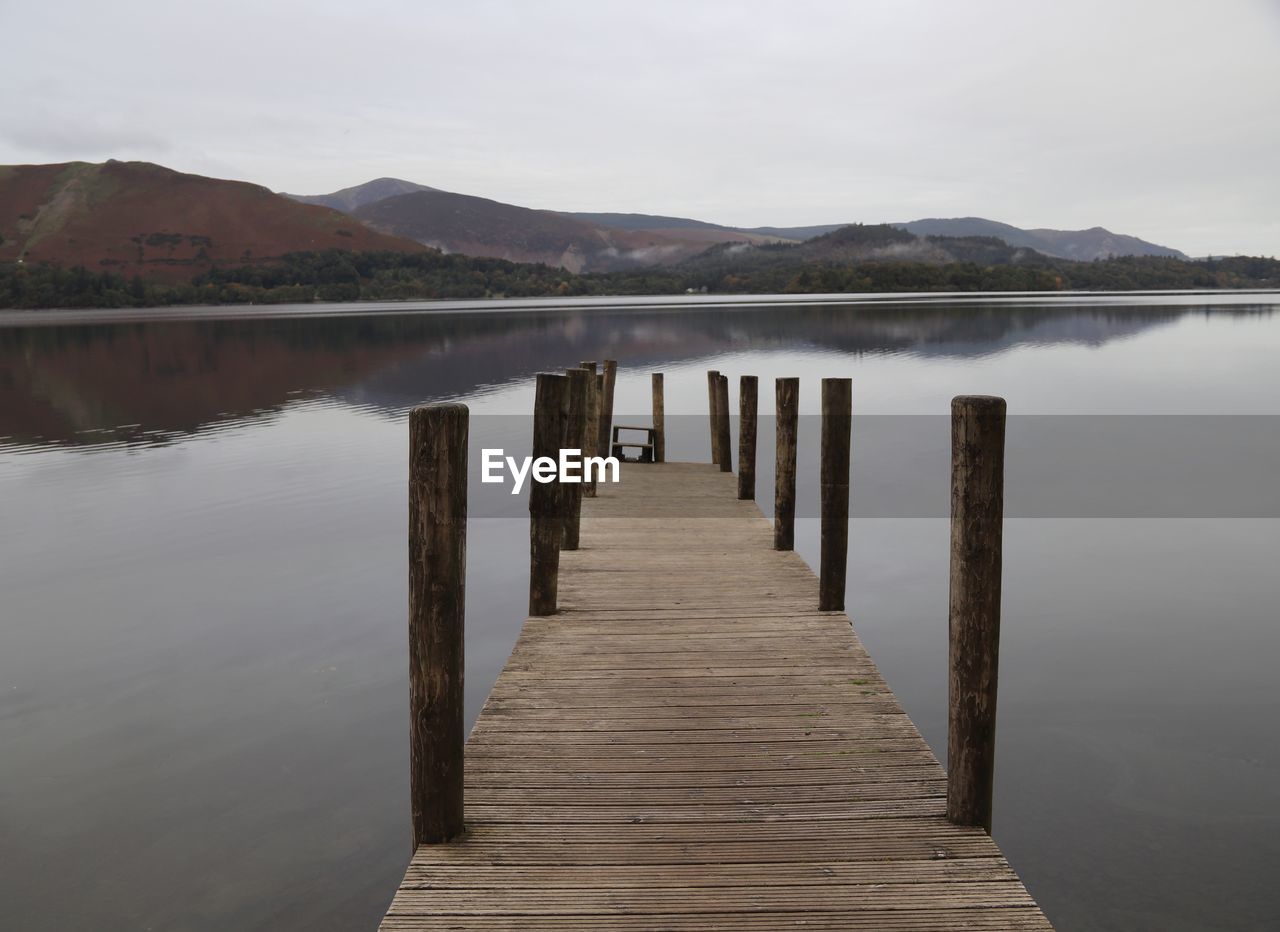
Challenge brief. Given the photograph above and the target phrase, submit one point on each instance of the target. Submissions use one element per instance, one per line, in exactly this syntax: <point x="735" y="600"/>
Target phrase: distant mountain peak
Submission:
<point x="1082" y="245"/>
<point x="349" y="200"/>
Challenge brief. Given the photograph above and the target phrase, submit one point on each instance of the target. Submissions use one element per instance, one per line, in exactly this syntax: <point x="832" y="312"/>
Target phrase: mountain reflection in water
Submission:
<point x="203" y="677"/>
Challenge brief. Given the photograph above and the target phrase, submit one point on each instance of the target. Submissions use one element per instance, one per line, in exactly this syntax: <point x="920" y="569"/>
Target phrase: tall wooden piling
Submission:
<point x="591" y="442"/>
<point x="659" y="419"/>
<point x="748" y="404"/>
<point x="610" y="373"/>
<point x="606" y="448"/>
<point x="437" y="597"/>
<point x="550" y="408"/>
<point x="977" y="518"/>
<point x="787" y="400"/>
<point x="575" y="432"/>
<point x="713" y="394"/>
<point x="837" y="423"/>
<point x="722" y="427"/>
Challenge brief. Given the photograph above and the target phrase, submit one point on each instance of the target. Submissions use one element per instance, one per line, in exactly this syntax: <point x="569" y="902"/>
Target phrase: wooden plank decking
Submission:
<point x="691" y="745"/>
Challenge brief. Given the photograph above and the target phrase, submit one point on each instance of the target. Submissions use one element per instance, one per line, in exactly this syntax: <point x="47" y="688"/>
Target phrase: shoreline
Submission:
<point x="14" y="318"/>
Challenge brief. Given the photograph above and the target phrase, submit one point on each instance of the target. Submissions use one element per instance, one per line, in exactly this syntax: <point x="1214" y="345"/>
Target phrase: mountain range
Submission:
<point x="136" y="217"/>
<point x="1080" y="245"/>
<point x="593" y="241"/>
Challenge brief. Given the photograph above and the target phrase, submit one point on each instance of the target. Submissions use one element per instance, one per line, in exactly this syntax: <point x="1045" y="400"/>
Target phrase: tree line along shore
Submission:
<point x="337" y="276"/>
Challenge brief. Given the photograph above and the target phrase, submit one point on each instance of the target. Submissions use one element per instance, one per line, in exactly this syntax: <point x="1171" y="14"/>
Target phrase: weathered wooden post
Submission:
<point x="659" y="420"/>
<point x="748" y="390"/>
<point x="713" y="393"/>
<point x="610" y="371"/>
<point x="722" y="428"/>
<point x="605" y="443"/>
<point x="546" y="512"/>
<point x="837" y="423"/>
<point x="784" y="487"/>
<point x="591" y="442"/>
<point x="575" y="430"/>
<point x="437" y="598"/>
<point x="977" y="518"/>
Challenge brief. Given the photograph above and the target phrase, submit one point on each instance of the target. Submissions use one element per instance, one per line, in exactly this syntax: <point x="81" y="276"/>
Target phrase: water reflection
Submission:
<point x="202" y="666"/>
<point x="147" y="382"/>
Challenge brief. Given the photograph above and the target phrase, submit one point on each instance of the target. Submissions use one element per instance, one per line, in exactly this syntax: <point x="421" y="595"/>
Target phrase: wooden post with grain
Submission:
<point x="610" y="373"/>
<point x="748" y="405"/>
<point x="722" y="428"/>
<point x="575" y="431"/>
<point x="659" y="419"/>
<point x="784" y="487"/>
<point x="713" y="393"/>
<point x="591" y="441"/>
<point x="437" y="599"/>
<point x="546" y="511"/>
<point x="977" y="518"/>
<point x="837" y="423"/>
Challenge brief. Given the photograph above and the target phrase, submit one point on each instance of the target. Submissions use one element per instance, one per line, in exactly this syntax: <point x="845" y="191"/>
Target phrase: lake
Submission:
<point x="203" y="669"/>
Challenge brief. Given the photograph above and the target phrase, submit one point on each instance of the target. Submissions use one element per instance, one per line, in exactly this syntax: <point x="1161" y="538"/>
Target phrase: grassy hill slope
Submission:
<point x="136" y="217"/>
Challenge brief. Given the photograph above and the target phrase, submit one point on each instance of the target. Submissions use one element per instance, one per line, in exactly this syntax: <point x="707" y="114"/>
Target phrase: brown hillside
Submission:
<point x="137" y="217"/>
<point x="477" y="226"/>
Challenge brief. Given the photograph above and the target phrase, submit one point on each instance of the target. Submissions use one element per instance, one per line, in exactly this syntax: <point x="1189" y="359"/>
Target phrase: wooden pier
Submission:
<point x="688" y="743"/>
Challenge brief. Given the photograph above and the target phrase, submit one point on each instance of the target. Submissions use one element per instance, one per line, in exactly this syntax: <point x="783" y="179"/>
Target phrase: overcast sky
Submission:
<point x="1160" y="119"/>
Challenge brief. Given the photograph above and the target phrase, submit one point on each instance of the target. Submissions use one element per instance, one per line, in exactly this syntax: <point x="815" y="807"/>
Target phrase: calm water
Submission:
<point x="202" y="650"/>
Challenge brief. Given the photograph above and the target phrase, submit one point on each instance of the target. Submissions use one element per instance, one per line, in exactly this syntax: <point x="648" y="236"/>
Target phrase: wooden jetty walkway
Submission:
<point x="689" y="744"/>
